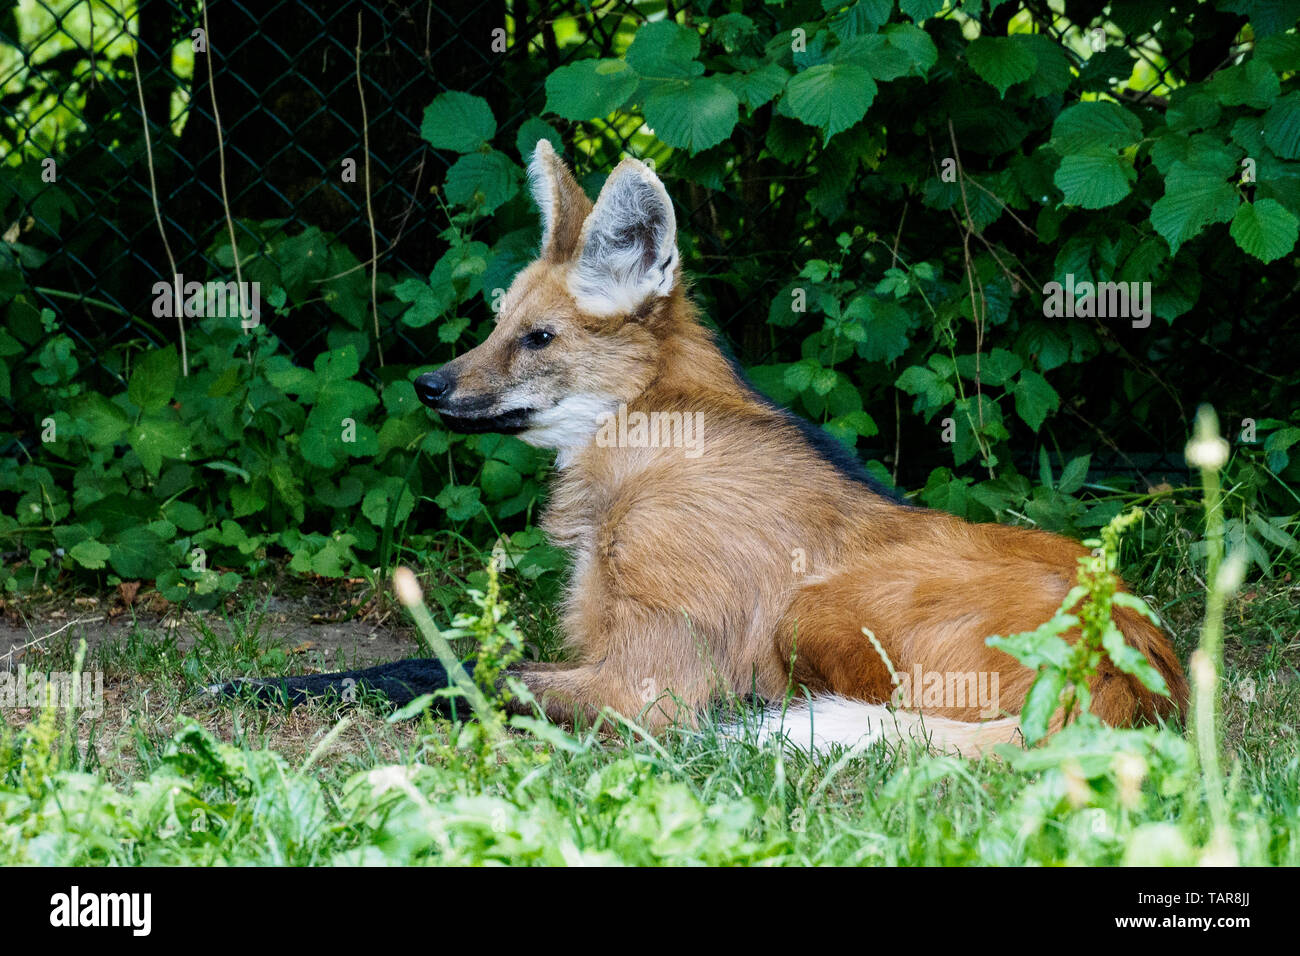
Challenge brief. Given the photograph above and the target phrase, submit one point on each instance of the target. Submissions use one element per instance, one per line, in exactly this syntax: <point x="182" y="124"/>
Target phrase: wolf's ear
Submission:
<point x="563" y="204"/>
<point x="629" y="244"/>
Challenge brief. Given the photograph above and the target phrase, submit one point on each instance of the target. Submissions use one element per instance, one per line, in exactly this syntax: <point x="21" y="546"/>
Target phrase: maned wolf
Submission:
<point x="716" y="538"/>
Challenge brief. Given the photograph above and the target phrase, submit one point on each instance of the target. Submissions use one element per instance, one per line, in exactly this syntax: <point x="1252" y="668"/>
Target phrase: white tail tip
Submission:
<point x="828" y="720"/>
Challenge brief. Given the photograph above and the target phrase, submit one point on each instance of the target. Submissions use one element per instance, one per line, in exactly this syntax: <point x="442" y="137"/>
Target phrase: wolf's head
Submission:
<point x="578" y="330"/>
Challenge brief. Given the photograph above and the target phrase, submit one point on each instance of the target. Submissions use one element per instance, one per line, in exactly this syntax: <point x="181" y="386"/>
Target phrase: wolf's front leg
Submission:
<point x="649" y="668"/>
<point x="576" y="695"/>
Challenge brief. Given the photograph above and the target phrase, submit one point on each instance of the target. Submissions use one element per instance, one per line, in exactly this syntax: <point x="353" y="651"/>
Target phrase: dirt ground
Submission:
<point x="298" y="624"/>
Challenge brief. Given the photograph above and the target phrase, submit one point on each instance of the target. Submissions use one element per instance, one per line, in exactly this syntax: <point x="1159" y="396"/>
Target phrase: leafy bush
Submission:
<point x="874" y="203"/>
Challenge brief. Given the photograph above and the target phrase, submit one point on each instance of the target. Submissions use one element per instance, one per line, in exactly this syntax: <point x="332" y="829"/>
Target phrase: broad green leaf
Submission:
<point x="920" y="10"/>
<point x="757" y="87"/>
<point x="1094" y="123"/>
<point x="427" y="302"/>
<point x="1265" y="228"/>
<point x="1252" y="83"/>
<point x="902" y="50"/>
<point x="692" y="115"/>
<point x="90" y="554"/>
<point x="589" y="89"/>
<point x="185" y="515"/>
<point x="1000" y="366"/>
<point x="886" y="324"/>
<point x="531" y="132"/>
<point x="499" y="480"/>
<point x="102" y="422"/>
<point x="1280" y="51"/>
<point x="1042" y="701"/>
<point x="1282" y="126"/>
<point x="482" y="179"/>
<point x="154" y="379"/>
<point x="831" y="96"/>
<point x="1035" y="398"/>
<point x="1052" y="75"/>
<point x="733" y="30"/>
<point x="460" y="502"/>
<point x="458" y="121"/>
<point x="1074" y="475"/>
<point x="1095" y="178"/>
<point x="1194" y="197"/>
<point x="916" y="44"/>
<point x="156" y="439"/>
<point x="1002" y="62"/>
<point x="824" y="380"/>
<point x="664" y="49"/>
<point x="799" y="376"/>
<point x="933" y="390"/>
<point x="138" y="553"/>
<point x="379" y="499"/>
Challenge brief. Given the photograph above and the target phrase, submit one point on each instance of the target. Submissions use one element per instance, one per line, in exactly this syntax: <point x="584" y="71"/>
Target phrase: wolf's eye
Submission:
<point x="537" y="339"/>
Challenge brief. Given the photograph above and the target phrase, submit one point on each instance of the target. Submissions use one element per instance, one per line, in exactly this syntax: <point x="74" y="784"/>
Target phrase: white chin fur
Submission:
<point x="569" y="425"/>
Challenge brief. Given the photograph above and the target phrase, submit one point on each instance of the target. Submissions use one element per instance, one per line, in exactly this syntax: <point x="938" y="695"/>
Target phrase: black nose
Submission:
<point x="433" y="387"/>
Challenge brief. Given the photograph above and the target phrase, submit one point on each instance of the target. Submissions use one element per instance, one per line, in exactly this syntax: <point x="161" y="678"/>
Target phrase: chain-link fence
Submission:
<point x="252" y="107"/>
<point x="272" y="110"/>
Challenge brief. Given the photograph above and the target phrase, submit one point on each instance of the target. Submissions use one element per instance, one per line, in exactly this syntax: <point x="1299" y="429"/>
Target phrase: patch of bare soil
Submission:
<point x="315" y="621"/>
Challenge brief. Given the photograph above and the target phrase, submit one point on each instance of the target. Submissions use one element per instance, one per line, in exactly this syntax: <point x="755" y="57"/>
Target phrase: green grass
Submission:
<point x="164" y="776"/>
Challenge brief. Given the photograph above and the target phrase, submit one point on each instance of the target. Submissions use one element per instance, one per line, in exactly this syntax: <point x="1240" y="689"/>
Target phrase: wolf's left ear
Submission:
<point x="563" y="204"/>
<point x="629" y="244"/>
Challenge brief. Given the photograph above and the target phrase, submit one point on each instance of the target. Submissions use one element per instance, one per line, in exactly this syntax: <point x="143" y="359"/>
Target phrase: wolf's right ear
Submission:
<point x="629" y="244"/>
<point x="563" y="204"/>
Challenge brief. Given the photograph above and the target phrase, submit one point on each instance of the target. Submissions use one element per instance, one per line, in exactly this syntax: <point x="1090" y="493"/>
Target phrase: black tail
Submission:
<point x="401" y="682"/>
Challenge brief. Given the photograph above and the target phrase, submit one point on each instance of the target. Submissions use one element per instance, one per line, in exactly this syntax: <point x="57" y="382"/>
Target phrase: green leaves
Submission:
<point x="837" y="192"/>
<point x="156" y="439"/>
<point x="902" y="50"/>
<point x="1265" y="229"/>
<point x="102" y="422"/>
<point x="1252" y="83"/>
<point x="486" y="180"/>
<point x="1042" y="701"/>
<point x="692" y="115"/>
<point x="590" y="89"/>
<point x="1282" y="126"/>
<point x="665" y="50"/>
<point x="685" y="110"/>
<point x="884" y="328"/>
<point x="1035" y="398"/>
<point x="154" y="380"/>
<point x="1092" y="173"/>
<point x="1094" y="178"/>
<point x="758" y="86"/>
<point x="1095" y="123"/>
<point x="90" y="554"/>
<point x="1195" y="196"/>
<point x="392" y="494"/>
<point x="830" y="96"/>
<point x="460" y="122"/>
<point x="137" y="553"/>
<point x="1002" y="62"/>
<point x="460" y="502"/>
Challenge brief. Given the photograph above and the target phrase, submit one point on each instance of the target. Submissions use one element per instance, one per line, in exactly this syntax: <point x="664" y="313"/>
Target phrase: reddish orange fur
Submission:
<point x="686" y="571"/>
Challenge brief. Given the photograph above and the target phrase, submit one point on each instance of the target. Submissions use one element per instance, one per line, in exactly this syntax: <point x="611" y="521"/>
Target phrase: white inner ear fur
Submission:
<point x="542" y="188"/>
<point x="629" y="245"/>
